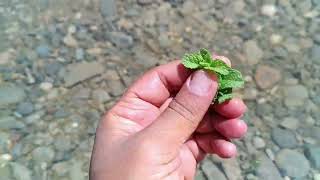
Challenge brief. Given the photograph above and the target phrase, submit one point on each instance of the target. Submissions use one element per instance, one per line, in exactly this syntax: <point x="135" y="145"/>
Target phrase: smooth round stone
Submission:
<point x="292" y="163"/>
<point x="258" y="142"/>
<point x="43" y="51"/>
<point x="284" y="138"/>
<point x="25" y="108"/>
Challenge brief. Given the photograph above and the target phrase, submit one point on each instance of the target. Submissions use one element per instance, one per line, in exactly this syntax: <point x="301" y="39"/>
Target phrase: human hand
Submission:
<point x="164" y="125"/>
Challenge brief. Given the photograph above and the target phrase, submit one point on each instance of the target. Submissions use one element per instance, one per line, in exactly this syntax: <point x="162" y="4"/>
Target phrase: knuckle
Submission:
<point x="186" y="113"/>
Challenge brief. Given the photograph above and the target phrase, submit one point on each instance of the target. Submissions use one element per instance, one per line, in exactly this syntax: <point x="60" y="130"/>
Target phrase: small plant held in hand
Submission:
<point x="228" y="78"/>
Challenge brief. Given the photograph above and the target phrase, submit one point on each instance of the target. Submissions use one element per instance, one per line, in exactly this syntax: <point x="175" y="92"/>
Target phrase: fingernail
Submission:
<point x="201" y="83"/>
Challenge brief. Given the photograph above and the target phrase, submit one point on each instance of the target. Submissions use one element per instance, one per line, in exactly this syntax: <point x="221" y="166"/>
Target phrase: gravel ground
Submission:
<point x="64" y="62"/>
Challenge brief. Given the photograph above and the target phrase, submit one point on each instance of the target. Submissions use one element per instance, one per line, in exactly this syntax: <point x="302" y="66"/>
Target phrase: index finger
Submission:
<point x="159" y="83"/>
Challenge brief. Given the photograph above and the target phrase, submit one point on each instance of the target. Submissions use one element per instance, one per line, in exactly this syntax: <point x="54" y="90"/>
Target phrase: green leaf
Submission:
<point x="228" y="78"/>
<point x="224" y="97"/>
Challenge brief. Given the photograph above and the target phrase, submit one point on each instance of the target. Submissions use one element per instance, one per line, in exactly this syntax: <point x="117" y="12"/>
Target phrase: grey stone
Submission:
<point x="10" y="94"/>
<point x="258" y="142"/>
<point x="5" y="172"/>
<point x="79" y="72"/>
<point x="20" y="172"/>
<point x="53" y="68"/>
<point x="108" y="8"/>
<point x="79" y="54"/>
<point x="313" y="154"/>
<point x="145" y="2"/>
<point x="253" y="52"/>
<point x="120" y="39"/>
<point x="290" y="123"/>
<point x="43" y="51"/>
<point x="315" y="53"/>
<point x="267" y="76"/>
<point x="115" y="87"/>
<point x="304" y="6"/>
<point x="212" y="171"/>
<point x="25" y="108"/>
<point x="231" y="169"/>
<point x="295" y="95"/>
<point x="76" y="172"/>
<point x="292" y="163"/>
<point x="100" y="95"/>
<point x="200" y="176"/>
<point x="43" y="154"/>
<point x="267" y="170"/>
<point x="284" y="138"/>
<point x="10" y="122"/>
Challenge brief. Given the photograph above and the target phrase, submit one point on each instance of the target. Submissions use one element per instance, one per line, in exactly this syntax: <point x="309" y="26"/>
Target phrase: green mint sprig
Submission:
<point x="228" y="78"/>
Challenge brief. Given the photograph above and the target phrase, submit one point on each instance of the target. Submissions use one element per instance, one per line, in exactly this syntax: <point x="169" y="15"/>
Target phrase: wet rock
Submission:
<point x="10" y="122"/>
<point x="290" y="123"/>
<point x="43" y="51"/>
<point x="292" y="163"/>
<point x="43" y="154"/>
<point x="212" y="171"/>
<point x="120" y="39"/>
<point x="79" y="72"/>
<point x="100" y="95"/>
<point x="295" y="95"/>
<point x="313" y="154"/>
<point x="267" y="170"/>
<point x="253" y="52"/>
<point x="108" y="8"/>
<point x="267" y="77"/>
<point x="284" y="138"/>
<point x="20" y="172"/>
<point x="10" y="94"/>
<point x="315" y="54"/>
<point x="25" y="108"/>
<point x="269" y="10"/>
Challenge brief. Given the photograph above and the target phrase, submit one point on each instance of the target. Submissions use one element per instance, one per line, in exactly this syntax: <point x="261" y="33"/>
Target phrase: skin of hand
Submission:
<point x="164" y="125"/>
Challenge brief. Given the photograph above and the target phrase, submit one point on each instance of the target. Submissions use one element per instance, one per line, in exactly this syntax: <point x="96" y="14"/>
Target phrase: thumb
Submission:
<point x="175" y="125"/>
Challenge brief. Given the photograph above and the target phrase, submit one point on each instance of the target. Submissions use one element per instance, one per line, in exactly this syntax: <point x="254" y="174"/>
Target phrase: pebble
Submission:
<point x="79" y="54"/>
<point x="266" y="76"/>
<point x="269" y="10"/>
<point x="70" y="41"/>
<point x="316" y="177"/>
<point x="313" y="154"/>
<point x="250" y="94"/>
<point x="108" y="8"/>
<point x="120" y="39"/>
<point x="43" y="154"/>
<point x="5" y="57"/>
<point x="290" y="123"/>
<point x="53" y="68"/>
<point x="270" y="154"/>
<point x="46" y="86"/>
<point x="276" y="39"/>
<point x="145" y="2"/>
<point x="267" y="170"/>
<point x="231" y="169"/>
<point x="258" y="142"/>
<point x="292" y="163"/>
<point x="101" y="96"/>
<point x="315" y="53"/>
<point x="43" y="51"/>
<point x="253" y="52"/>
<point x="5" y="172"/>
<point x="284" y="138"/>
<point x="115" y="87"/>
<point x="295" y="95"/>
<point x="212" y="171"/>
<point x="25" y="108"/>
<point x="82" y="71"/>
<point x="200" y="176"/>
<point x="10" y="94"/>
<point x="20" y="172"/>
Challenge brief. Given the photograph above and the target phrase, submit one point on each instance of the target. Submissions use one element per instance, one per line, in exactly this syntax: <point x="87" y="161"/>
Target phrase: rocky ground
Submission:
<point x="63" y="62"/>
